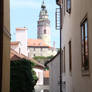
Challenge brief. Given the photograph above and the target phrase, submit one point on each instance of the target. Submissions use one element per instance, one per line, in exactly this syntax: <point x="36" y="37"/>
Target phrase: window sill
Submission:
<point x="85" y="73"/>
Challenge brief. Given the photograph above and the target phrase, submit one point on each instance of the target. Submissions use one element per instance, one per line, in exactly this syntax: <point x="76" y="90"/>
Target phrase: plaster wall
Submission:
<point x="75" y="81"/>
<point x="39" y="73"/>
<point x="41" y="52"/>
<point x="6" y="48"/>
<point x="54" y="68"/>
<point x="21" y="36"/>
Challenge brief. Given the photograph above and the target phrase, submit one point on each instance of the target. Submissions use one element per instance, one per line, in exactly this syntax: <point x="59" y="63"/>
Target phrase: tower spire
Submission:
<point x="43" y="5"/>
<point x="43" y="1"/>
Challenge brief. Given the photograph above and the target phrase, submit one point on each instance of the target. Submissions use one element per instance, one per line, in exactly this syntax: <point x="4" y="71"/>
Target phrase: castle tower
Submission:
<point x="43" y="27"/>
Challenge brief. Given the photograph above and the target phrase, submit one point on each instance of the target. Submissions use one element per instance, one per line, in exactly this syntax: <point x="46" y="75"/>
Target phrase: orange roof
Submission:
<point x="15" y="43"/>
<point x="46" y="74"/>
<point x="16" y="56"/>
<point x="20" y="29"/>
<point x="37" y="43"/>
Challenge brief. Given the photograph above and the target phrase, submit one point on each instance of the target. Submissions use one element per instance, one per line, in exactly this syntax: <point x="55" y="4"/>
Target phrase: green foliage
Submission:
<point x="22" y="76"/>
<point x="39" y="57"/>
<point x="46" y="68"/>
<point x="42" y="57"/>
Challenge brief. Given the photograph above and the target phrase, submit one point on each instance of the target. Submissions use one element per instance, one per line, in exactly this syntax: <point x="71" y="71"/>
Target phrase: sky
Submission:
<point x="25" y="13"/>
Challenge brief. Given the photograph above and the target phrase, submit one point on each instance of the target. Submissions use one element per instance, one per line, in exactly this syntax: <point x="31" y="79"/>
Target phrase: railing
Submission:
<point x="57" y="16"/>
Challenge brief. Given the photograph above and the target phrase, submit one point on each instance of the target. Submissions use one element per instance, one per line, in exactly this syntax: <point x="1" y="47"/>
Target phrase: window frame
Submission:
<point x="63" y="60"/>
<point x="82" y="25"/>
<point x="70" y="56"/>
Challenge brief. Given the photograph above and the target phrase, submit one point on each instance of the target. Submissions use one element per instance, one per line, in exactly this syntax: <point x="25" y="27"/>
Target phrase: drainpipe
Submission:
<point x="60" y="52"/>
<point x="60" y="47"/>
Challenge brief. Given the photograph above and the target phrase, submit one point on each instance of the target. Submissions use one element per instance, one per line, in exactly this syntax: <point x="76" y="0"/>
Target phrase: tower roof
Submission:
<point x="43" y="13"/>
<point x="43" y="5"/>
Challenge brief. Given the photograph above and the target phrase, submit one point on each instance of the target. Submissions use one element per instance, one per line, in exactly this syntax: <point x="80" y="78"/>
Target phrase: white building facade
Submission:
<point x="37" y="47"/>
<point x="21" y="36"/>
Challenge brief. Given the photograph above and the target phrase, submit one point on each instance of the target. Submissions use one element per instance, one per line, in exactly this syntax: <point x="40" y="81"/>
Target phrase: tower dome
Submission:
<point x="43" y="12"/>
<point x="43" y="31"/>
<point x="43" y="5"/>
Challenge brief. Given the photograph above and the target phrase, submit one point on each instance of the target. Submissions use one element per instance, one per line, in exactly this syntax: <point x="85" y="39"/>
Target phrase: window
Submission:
<point x="19" y="50"/>
<point x="70" y="57"/>
<point x="68" y="6"/>
<point x="34" y="55"/>
<point x="63" y="57"/>
<point x="40" y="49"/>
<point x="34" y="49"/>
<point x="84" y="45"/>
<point x="63" y="7"/>
<point x="45" y="31"/>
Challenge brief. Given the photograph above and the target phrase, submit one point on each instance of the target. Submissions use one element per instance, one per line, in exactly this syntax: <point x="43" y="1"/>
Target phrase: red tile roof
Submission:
<point x="21" y="29"/>
<point x="15" y="43"/>
<point x="16" y="56"/>
<point x="37" y="43"/>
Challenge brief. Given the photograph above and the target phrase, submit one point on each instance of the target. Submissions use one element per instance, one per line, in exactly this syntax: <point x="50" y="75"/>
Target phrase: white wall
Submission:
<point x="44" y="52"/>
<point x="39" y="73"/>
<point x="21" y="35"/>
<point x="16" y="47"/>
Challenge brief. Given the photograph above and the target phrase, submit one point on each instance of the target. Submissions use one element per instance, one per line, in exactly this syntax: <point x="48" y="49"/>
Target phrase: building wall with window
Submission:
<point x="21" y="36"/>
<point x="37" y="47"/>
<point x="41" y="51"/>
<point x="54" y="69"/>
<point x="5" y="85"/>
<point x="77" y="29"/>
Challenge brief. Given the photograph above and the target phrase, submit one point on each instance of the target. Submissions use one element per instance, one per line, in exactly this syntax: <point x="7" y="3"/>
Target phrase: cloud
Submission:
<point x="24" y="4"/>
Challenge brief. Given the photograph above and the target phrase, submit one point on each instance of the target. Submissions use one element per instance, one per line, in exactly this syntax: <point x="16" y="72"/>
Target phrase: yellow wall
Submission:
<point x="6" y="49"/>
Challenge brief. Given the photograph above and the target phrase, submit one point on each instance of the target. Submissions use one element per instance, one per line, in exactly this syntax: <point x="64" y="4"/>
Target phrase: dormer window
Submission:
<point x="68" y="6"/>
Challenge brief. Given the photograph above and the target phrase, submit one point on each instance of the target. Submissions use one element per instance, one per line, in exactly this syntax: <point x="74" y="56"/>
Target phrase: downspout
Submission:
<point x="60" y="46"/>
<point x="60" y="51"/>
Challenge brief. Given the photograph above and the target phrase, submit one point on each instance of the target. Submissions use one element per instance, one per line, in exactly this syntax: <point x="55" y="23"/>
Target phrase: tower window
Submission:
<point x="45" y="31"/>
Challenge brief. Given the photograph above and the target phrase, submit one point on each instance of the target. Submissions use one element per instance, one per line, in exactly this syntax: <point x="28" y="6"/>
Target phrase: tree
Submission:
<point x="42" y="59"/>
<point x="22" y="76"/>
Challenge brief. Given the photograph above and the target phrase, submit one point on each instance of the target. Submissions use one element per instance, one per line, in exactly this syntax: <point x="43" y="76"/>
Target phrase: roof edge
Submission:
<point x="51" y="59"/>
